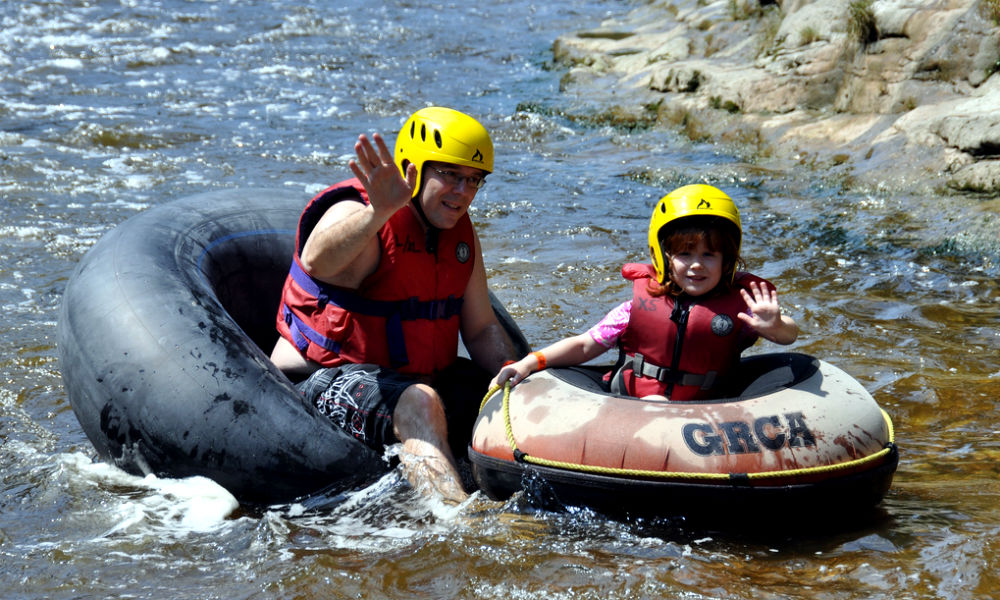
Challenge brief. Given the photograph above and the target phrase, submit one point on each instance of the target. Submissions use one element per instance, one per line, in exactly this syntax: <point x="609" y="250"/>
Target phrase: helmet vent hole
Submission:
<point x="437" y="138"/>
<point x="413" y="129"/>
<point x="423" y="133"/>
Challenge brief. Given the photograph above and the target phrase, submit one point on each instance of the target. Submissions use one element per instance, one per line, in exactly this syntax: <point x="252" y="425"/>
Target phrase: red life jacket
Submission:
<point x="681" y="348"/>
<point x="405" y="315"/>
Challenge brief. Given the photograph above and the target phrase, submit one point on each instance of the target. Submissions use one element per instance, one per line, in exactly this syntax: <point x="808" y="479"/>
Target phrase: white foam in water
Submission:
<point x="386" y="514"/>
<point x="66" y="63"/>
<point x="197" y="503"/>
<point x="172" y="506"/>
<point x="367" y="520"/>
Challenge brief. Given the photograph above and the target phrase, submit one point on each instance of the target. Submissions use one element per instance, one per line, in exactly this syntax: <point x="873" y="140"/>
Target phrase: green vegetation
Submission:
<point x="622" y="118"/>
<point x="605" y="35"/>
<point x="653" y="108"/>
<point x="729" y="106"/>
<point x="713" y="44"/>
<point x="990" y="10"/>
<point x="768" y="43"/>
<point x="808" y="35"/>
<point x="687" y="122"/>
<point x="861" y="23"/>
<point x="741" y="10"/>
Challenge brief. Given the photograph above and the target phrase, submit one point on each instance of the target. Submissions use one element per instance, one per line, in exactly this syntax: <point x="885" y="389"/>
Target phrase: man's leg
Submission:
<point x="419" y="423"/>
<point x="380" y="407"/>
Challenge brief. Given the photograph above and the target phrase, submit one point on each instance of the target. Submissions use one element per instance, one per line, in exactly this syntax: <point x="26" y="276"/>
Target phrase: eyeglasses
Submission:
<point x="452" y="178"/>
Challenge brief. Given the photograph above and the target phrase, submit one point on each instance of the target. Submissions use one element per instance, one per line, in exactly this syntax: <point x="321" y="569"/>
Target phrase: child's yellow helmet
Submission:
<point x="444" y="135"/>
<point x="688" y="201"/>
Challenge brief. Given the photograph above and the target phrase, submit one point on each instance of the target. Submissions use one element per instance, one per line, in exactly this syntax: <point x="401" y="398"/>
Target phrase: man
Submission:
<point x="387" y="271"/>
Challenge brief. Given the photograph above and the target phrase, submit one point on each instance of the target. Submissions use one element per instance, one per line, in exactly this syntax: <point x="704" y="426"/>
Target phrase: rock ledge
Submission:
<point x="889" y="94"/>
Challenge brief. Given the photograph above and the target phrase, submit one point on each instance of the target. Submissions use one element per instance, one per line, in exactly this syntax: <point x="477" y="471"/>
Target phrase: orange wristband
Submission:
<point x="540" y="358"/>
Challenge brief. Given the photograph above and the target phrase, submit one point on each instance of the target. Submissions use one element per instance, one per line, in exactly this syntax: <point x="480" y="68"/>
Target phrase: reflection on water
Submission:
<point x="107" y="109"/>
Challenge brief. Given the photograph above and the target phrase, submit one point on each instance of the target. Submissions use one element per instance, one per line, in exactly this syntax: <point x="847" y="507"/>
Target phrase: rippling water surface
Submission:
<point x="109" y="108"/>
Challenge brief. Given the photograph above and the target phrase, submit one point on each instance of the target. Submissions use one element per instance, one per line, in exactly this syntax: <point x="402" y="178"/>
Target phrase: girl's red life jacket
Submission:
<point x="681" y="347"/>
<point x="405" y="315"/>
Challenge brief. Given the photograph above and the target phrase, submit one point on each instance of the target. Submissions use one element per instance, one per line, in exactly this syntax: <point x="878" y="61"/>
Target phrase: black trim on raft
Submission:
<point x="737" y="499"/>
<point x="164" y="334"/>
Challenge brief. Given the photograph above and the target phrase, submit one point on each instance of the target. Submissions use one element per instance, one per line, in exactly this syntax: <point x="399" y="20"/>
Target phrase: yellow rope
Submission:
<point x="490" y="393"/>
<point x="678" y="474"/>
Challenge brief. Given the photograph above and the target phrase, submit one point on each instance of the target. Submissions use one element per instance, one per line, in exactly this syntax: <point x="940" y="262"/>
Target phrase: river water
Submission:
<point x="110" y="108"/>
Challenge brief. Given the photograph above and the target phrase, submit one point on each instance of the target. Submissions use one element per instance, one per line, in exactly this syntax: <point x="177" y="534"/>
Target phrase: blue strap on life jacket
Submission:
<point x="303" y="333"/>
<point x="394" y="311"/>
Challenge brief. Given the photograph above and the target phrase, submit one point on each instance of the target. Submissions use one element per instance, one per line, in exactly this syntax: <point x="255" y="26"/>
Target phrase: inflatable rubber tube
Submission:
<point x="160" y="338"/>
<point x="802" y="434"/>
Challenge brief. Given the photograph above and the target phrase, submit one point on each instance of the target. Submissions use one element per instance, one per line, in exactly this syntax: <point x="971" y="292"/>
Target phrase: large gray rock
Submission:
<point x="904" y="92"/>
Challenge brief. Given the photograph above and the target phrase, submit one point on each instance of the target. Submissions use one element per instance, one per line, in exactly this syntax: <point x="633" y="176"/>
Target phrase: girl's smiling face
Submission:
<point x="696" y="269"/>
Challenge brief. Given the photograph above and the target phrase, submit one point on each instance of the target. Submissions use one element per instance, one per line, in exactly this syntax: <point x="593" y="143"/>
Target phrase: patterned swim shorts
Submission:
<point x="360" y="399"/>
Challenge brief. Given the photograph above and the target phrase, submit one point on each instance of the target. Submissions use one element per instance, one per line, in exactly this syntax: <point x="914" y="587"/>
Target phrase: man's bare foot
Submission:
<point x="429" y="471"/>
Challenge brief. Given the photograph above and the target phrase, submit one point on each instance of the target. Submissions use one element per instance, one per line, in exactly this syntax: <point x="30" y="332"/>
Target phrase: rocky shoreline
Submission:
<point x="886" y="94"/>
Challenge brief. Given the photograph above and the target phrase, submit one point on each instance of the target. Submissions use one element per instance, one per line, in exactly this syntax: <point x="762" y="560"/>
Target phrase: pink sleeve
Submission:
<point x="611" y="327"/>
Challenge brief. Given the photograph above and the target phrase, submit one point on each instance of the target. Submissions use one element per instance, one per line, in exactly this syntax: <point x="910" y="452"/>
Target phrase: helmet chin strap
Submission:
<point x="431" y="232"/>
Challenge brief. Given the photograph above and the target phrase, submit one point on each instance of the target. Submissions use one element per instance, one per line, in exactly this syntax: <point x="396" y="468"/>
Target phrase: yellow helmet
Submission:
<point x="445" y="135"/>
<point x="689" y="201"/>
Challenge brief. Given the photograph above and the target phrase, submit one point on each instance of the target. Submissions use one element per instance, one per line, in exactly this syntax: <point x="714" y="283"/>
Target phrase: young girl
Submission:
<point x="691" y="314"/>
